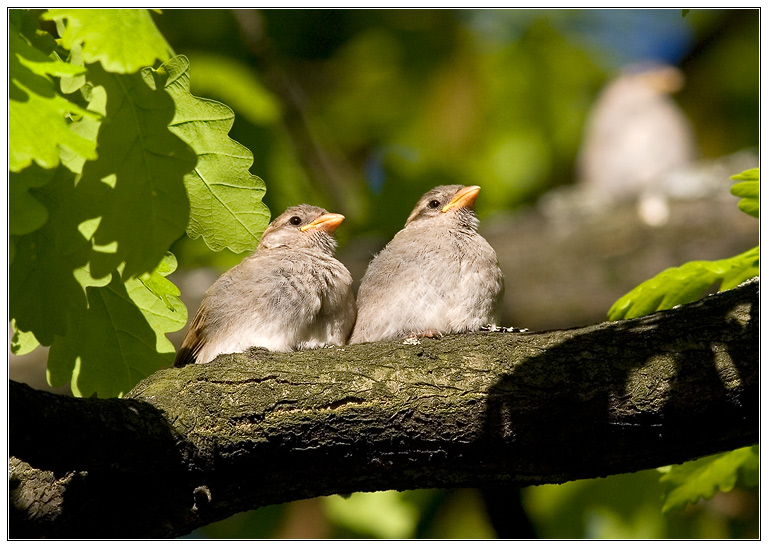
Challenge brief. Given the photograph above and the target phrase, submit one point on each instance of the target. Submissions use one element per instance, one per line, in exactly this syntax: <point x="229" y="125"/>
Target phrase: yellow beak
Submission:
<point x="465" y="197"/>
<point x="326" y="222"/>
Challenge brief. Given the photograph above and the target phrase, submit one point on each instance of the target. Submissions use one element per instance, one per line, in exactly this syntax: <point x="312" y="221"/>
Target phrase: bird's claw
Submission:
<point x="503" y="329"/>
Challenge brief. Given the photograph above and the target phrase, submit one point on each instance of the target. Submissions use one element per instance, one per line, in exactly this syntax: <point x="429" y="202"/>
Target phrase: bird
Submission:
<point x="635" y="133"/>
<point x="290" y="294"/>
<point x="437" y="275"/>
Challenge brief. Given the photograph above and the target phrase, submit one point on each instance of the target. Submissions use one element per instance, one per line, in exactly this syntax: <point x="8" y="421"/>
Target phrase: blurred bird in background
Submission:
<point x="635" y="136"/>
<point x="635" y="132"/>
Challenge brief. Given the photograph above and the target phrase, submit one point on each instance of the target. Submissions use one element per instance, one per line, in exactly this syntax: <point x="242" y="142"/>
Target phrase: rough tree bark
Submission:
<point x="192" y="445"/>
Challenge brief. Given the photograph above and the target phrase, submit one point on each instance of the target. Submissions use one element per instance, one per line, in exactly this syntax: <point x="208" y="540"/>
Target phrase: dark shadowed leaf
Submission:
<point x="138" y="181"/>
<point x="117" y="342"/>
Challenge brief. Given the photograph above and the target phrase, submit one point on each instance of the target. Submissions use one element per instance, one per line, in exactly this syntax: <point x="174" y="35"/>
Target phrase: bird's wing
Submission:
<point x="193" y="341"/>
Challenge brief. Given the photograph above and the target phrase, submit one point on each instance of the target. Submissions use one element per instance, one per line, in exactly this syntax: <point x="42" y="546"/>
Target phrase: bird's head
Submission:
<point x="448" y="204"/>
<point x="302" y="226"/>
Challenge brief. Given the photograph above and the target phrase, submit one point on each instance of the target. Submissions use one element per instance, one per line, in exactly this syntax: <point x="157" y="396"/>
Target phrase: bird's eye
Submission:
<point x="296" y="220"/>
<point x="433" y="204"/>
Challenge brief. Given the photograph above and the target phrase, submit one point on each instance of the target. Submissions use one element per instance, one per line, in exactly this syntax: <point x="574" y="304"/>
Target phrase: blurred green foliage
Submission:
<point x="702" y="478"/>
<point x="628" y="507"/>
<point x="362" y="110"/>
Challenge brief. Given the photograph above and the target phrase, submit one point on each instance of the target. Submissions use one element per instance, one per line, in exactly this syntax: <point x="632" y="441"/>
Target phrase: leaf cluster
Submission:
<point x="688" y="482"/>
<point x="111" y="161"/>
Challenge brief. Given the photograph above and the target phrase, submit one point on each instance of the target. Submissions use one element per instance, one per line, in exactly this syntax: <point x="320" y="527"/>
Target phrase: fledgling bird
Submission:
<point x="436" y="276"/>
<point x="290" y="294"/>
<point x="636" y="133"/>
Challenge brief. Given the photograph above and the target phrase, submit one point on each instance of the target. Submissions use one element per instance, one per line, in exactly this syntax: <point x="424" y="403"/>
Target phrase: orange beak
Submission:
<point x="326" y="222"/>
<point x="465" y="197"/>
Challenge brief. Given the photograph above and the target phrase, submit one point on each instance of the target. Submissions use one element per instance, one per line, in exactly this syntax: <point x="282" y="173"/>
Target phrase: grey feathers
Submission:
<point x="290" y="294"/>
<point x="436" y="276"/>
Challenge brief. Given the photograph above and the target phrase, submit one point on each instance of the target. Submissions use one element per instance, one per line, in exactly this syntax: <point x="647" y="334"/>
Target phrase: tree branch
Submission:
<point x="192" y="445"/>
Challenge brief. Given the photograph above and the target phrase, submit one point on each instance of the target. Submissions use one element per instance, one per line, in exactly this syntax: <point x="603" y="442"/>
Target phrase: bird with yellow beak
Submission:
<point x="436" y="276"/>
<point x="290" y="294"/>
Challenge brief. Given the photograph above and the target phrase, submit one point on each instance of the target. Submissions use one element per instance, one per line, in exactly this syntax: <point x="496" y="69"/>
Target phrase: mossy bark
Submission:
<point x="195" y="444"/>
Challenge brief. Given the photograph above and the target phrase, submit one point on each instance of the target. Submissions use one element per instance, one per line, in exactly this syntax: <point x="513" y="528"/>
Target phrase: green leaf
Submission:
<point x="25" y="20"/>
<point x="22" y="342"/>
<point x="119" y="340"/>
<point x="162" y="288"/>
<point x="37" y="124"/>
<point x="87" y="127"/>
<point x="35" y="48"/>
<point x="747" y="190"/>
<point x="70" y="84"/>
<point x="122" y="40"/>
<point x="688" y="482"/>
<point x="136" y="185"/>
<point x="103" y="340"/>
<point x="225" y="198"/>
<point x="51" y="265"/>
<point x="25" y="213"/>
<point x="679" y="285"/>
<point x="160" y="304"/>
<point x="748" y="175"/>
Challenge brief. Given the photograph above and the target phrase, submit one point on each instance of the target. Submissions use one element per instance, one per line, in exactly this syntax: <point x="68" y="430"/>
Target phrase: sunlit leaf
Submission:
<point x="37" y="124"/>
<point x="688" y="482"/>
<point x="161" y="287"/>
<point x="225" y="198"/>
<point x="159" y="301"/>
<point x="86" y="127"/>
<point x="72" y="83"/>
<point x="748" y="175"/>
<point x="123" y="40"/>
<point x="684" y="284"/>
<point x="22" y="342"/>
<point x="748" y="190"/>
